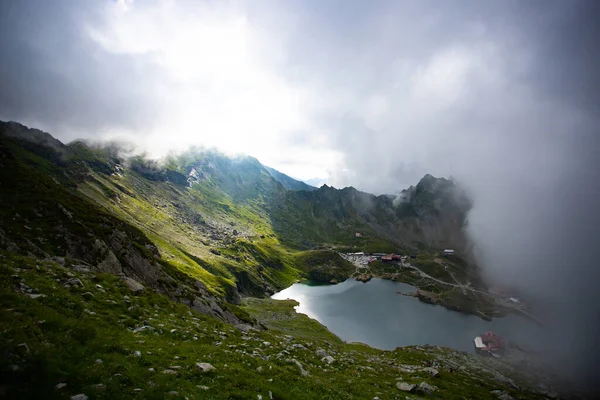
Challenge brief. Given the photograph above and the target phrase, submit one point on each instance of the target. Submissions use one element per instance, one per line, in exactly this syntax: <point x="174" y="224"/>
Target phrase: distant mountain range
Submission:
<point x="231" y="223"/>
<point x="100" y="247"/>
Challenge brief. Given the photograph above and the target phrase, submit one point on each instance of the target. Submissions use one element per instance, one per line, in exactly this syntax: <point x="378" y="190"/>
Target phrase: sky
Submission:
<point x="504" y="96"/>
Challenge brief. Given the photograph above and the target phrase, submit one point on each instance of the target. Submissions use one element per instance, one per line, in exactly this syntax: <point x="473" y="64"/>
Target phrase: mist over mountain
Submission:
<point x="227" y="222"/>
<point x="148" y="103"/>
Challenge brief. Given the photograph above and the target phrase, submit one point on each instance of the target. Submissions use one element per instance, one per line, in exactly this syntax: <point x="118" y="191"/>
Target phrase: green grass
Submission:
<point x="69" y="328"/>
<point x="323" y="266"/>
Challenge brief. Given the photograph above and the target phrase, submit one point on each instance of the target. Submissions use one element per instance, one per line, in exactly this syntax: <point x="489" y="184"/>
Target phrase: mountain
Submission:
<point x="223" y="219"/>
<point x="124" y="277"/>
<point x="288" y="182"/>
<point x="316" y="182"/>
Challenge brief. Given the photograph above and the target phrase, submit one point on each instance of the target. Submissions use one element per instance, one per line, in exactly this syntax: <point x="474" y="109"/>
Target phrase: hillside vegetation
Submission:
<point x="225" y="222"/>
<point x="125" y="277"/>
<point x="69" y="332"/>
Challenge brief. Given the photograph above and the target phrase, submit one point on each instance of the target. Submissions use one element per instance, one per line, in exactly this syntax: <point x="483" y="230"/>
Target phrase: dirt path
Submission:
<point x="499" y="300"/>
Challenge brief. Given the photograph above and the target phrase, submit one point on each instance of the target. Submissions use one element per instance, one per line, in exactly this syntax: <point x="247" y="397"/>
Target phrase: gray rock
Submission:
<point x="137" y="353"/>
<point x="426" y="387"/>
<point x="328" y="359"/>
<point x="170" y="372"/>
<point x="133" y="285"/>
<point x="99" y="386"/>
<point x="35" y="296"/>
<point x="79" y="396"/>
<point x="259" y="369"/>
<point x="60" y="385"/>
<point x="59" y="260"/>
<point x="502" y="395"/>
<point x="432" y="371"/>
<point x="405" y="387"/>
<point x="244" y="327"/>
<point x="321" y="353"/>
<point x="202" y="387"/>
<point x="503" y="379"/>
<point x="98" y="361"/>
<point x="80" y="268"/>
<point x="143" y="328"/>
<point x="303" y="372"/>
<point x="204" y="367"/>
<point x="74" y="282"/>
<point x="23" y="348"/>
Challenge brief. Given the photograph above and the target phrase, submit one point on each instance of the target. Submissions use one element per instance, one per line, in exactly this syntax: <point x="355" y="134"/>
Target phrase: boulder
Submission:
<point x="80" y="268"/>
<point x="204" y="367"/>
<point x="303" y="372"/>
<point x="244" y="327"/>
<point x="74" y="282"/>
<point x="405" y="387"/>
<point x="426" y="388"/>
<point x="432" y="371"/>
<point x="321" y="353"/>
<point x="502" y="395"/>
<point x="170" y="372"/>
<point x="328" y="359"/>
<point x="79" y="396"/>
<point x="133" y="285"/>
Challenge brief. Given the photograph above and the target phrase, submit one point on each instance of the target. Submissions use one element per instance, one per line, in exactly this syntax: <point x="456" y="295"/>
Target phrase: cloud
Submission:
<point x="161" y="73"/>
<point x="503" y="96"/>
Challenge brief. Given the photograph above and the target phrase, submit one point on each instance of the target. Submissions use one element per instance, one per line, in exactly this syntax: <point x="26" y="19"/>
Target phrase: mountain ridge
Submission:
<point x="137" y="263"/>
<point x="212" y="204"/>
<point x="287" y="181"/>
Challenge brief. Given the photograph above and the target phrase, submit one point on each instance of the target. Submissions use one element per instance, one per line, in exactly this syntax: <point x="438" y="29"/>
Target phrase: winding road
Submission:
<point x="362" y="266"/>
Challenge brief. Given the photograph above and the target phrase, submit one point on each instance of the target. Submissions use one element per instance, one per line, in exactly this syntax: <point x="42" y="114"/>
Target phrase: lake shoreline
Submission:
<point x="375" y="315"/>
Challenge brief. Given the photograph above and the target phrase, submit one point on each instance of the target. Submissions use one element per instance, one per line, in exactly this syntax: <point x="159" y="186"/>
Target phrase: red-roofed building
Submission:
<point x="489" y="343"/>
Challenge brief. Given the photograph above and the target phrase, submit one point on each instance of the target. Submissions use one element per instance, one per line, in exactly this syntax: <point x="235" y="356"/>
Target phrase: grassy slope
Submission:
<point x="68" y="329"/>
<point x="258" y="222"/>
<point x="323" y="265"/>
<point x="180" y="220"/>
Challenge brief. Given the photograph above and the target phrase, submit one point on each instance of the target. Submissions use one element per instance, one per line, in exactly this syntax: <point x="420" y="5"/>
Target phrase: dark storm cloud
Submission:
<point x="53" y="76"/>
<point x="502" y="95"/>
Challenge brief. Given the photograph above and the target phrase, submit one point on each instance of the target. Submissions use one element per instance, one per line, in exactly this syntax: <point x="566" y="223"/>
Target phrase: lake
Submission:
<point x="375" y="314"/>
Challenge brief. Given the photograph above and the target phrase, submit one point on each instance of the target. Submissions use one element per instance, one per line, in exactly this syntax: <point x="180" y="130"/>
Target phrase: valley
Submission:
<point x="127" y="277"/>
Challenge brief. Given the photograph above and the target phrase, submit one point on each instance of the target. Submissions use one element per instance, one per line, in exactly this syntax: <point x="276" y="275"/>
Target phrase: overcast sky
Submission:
<point x="329" y="89"/>
<point x="502" y="95"/>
